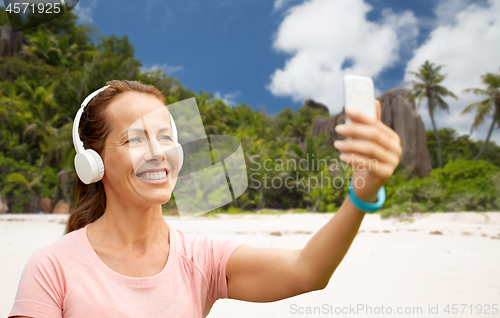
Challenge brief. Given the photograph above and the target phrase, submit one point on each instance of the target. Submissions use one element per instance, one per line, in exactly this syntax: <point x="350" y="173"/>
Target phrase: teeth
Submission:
<point x="154" y="176"/>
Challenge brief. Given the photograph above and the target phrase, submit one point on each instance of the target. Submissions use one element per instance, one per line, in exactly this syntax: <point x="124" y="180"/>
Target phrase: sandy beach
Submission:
<point x="417" y="267"/>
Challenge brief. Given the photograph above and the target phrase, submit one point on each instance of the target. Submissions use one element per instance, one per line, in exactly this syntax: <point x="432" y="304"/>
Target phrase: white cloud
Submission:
<point x="170" y="69"/>
<point x="321" y="34"/>
<point x="278" y="4"/>
<point x="284" y="4"/>
<point x="405" y="26"/>
<point x="469" y="46"/>
<point x="85" y="12"/>
<point x="229" y="99"/>
<point x="447" y="10"/>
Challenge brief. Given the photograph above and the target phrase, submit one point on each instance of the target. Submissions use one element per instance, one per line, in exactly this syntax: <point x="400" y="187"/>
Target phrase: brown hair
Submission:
<point x="89" y="201"/>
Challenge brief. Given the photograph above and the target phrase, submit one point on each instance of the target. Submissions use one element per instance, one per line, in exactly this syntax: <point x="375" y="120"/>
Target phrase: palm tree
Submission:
<point x="56" y="146"/>
<point x="258" y="153"/>
<point x="428" y="87"/>
<point x="44" y="46"/>
<point x="55" y="50"/>
<point x="316" y="154"/>
<point x="486" y="106"/>
<point x="297" y="128"/>
<point x="29" y="184"/>
<point x="67" y="52"/>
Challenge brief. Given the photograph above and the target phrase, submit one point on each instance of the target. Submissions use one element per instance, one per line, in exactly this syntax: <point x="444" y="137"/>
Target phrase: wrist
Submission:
<point x="362" y="203"/>
<point x="372" y="198"/>
<point x="366" y="195"/>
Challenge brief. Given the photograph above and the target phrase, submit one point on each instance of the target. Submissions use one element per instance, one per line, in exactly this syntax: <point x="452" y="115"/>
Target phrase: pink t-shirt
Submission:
<point x="68" y="279"/>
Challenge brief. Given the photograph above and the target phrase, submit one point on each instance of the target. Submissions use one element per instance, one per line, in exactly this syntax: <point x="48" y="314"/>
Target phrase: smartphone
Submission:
<point x="359" y="94"/>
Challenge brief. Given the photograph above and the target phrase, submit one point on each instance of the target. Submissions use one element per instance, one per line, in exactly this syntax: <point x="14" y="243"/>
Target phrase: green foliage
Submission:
<point x="428" y="86"/>
<point x="487" y="106"/>
<point x="20" y="182"/>
<point x="462" y="185"/>
<point x="296" y="125"/>
<point x="404" y="208"/>
<point x="460" y="147"/>
<point x="43" y="87"/>
<point x="233" y="210"/>
<point x="4" y="19"/>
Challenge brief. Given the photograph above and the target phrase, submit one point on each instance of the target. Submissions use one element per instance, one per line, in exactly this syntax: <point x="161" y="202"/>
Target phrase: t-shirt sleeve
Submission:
<point x="40" y="291"/>
<point x="220" y="250"/>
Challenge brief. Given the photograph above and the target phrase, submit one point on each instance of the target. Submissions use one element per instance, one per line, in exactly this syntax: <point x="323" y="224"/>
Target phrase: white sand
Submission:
<point x="390" y="264"/>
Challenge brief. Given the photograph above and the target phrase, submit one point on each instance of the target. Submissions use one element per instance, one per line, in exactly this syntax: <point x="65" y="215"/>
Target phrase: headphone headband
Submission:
<point x="88" y="164"/>
<point x="76" y="123"/>
<point x="76" y="137"/>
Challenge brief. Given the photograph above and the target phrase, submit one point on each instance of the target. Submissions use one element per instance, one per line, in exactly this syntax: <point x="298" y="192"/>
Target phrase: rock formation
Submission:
<point x="4" y="208"/>
<point x="400" y="115"/>
<point x="315" y="105"/>
<point x="327" y="124"/>
<point x="45" y="205"/>
<point x="10" y="43"/>
<point x="62" y="207"/>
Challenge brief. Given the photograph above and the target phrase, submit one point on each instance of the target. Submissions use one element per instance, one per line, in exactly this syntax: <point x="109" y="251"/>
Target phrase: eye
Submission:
<point x="134" y="140"/>
<point x="168" y="138"/>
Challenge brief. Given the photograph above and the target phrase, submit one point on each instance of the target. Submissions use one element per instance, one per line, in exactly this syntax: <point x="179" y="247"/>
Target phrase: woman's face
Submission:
<point x="140" y="158"/>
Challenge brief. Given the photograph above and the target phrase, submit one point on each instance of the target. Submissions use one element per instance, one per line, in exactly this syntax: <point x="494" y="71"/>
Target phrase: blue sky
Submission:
<point x="222" y="46"/>
<point x="276" y="53"/>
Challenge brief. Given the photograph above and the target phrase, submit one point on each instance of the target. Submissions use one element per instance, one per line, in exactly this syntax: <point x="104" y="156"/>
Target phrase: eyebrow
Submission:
<point x="144" y="131"/>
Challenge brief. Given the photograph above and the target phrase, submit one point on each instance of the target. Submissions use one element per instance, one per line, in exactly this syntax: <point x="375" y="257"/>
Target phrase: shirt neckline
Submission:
<point x="142" y="281"/>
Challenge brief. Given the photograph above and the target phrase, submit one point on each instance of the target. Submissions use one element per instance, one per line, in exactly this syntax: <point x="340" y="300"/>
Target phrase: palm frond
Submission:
<point x="442" y="104"/>
<point x="476" y="91"/>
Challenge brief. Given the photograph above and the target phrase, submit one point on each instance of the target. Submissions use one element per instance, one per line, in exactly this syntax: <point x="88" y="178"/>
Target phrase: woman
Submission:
<point x="121" y="259"/>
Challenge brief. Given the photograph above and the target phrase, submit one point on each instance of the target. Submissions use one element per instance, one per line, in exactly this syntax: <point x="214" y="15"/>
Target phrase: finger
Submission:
<point x="358" y="117"/>
<point x="369" y="149"/>
<point x="362" y="163"/>
<point x="379" y="109"/>
<point x="369" y="132"/>
<point x="366" y="131"/>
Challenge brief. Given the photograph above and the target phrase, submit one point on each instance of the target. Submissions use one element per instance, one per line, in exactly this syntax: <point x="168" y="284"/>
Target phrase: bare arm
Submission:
<point x="371" y="140"/>
<point x="263" y="274"/>
<point x="271" y="274"/>
<point x="327" y="248"/>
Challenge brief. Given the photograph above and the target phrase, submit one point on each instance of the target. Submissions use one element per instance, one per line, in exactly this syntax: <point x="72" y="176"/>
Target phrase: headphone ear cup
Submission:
<point x="100" y="164"/>
<point x="180" y="150"/>
<point x="89" y="166"/>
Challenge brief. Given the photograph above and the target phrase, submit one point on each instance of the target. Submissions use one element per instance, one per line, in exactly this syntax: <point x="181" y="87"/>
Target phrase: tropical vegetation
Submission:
<point x="488" y="106"/>
<point x="428" y="86"/>
<point x="42" y="88"/>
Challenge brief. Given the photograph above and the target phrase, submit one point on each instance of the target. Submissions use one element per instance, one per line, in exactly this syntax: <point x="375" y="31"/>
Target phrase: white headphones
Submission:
<point x="88" y="163"/>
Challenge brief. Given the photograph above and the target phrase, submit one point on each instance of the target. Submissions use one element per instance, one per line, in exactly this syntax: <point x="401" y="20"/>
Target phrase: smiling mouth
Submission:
<point x="153" y="177"/>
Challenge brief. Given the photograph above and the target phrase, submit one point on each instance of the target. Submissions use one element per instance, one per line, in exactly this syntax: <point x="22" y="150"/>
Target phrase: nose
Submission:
<point x="155" y="151"/>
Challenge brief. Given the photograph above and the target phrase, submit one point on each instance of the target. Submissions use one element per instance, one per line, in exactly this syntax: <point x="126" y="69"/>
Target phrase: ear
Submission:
<point x="379" y="109"/>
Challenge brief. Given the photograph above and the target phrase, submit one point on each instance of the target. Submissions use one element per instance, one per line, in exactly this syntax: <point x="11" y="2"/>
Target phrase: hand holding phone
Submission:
<point x="359" y="94"/>
<point x="372" y="141"/>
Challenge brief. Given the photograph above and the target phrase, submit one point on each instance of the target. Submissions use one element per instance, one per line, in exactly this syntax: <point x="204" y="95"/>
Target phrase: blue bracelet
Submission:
<point x="366" y="206"/>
